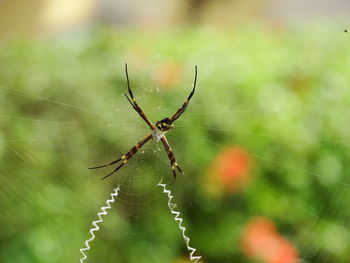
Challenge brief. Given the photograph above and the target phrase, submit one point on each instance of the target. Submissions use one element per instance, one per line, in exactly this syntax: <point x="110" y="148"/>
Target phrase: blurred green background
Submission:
<point x="264" y="143"/>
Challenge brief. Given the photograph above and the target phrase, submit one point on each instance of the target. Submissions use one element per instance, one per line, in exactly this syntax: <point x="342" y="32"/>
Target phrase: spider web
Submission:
<point x="141" y="217"/>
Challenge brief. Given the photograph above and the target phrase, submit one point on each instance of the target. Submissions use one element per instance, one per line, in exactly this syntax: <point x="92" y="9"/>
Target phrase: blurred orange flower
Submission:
<point x="229" y="171"/>
<point x="262" y="241"/>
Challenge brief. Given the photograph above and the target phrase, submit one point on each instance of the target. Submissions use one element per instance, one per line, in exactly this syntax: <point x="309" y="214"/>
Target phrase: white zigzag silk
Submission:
<point x="177" y="218"/>
<point x="113" y="198"/>
<point x="96" y="227"/>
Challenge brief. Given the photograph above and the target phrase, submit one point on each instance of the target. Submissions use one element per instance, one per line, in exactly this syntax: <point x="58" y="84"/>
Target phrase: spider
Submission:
<point x="157" y="131"/>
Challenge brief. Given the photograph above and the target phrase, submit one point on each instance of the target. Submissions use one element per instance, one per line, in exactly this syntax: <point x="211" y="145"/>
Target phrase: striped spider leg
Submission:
<point x="157" y="134"/>
<point x="171" y="157"/>
<point x="134" y="103"/>
<point x="124" y="159"/>
<point x="184" y="106"/>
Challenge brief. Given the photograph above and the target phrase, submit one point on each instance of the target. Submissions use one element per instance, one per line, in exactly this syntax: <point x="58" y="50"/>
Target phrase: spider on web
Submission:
<point x="157" y="131"/>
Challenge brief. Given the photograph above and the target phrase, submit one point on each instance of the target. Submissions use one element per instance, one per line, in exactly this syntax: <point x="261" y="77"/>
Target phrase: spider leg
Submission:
<point x="184" y="106"/>
<point x="101" y="166"/>
<point x="171" y="157"/>
<point x="134" y="103"/>
<point x="114" y="171"/>
<point x="125" y="158"/>
<point x="130" y="101"/>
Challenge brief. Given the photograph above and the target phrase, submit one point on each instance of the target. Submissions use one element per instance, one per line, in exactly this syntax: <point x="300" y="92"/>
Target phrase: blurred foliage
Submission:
<point x="280" y="96"/>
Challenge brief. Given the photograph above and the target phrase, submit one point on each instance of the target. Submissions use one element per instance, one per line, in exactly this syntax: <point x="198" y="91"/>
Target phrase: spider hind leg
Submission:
<point x="178" y="167"/>
<point x="174" y="172"/>
<point x="114" y="171"/>
<point x="105" y="165"/>
<point x="125" y="158"/>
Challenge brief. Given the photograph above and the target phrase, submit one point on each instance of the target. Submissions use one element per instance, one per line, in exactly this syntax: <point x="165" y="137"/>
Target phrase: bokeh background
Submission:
<point x="264" y="142"/>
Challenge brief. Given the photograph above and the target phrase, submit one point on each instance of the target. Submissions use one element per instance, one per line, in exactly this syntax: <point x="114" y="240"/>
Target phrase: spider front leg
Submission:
<point x="171" y="157"/>
<point x="184" y="105"/>
<point x="125" y="158"/>
<point x="134" y="103"/>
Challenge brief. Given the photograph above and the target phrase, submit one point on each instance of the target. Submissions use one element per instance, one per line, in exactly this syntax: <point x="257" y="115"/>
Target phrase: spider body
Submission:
<point x="157" y="131"/>
<point x="161" y="128"/>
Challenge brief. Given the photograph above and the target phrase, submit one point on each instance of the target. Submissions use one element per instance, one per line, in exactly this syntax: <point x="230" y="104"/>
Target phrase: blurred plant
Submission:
<point x="262" y="241"/>
<point x="282" y="96"/>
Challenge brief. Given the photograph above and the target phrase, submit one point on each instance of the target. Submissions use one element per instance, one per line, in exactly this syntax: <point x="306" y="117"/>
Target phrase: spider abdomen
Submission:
<point x="157" y="134"/>
<point x="165" y="125"/>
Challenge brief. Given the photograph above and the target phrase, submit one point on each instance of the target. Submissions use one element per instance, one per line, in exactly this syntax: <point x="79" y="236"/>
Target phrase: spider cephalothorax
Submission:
<point x="158" y="130"/>
<point x="165" y="125"/>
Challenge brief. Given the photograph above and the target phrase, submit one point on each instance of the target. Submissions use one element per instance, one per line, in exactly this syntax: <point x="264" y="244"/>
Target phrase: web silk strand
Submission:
<point x="178" y="219"/>
<point x="95" y="228"/>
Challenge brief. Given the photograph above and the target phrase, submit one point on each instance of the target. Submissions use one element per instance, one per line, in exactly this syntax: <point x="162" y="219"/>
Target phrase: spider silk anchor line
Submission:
<point x="177" y="218"/>
<point x="96" y="227"/>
